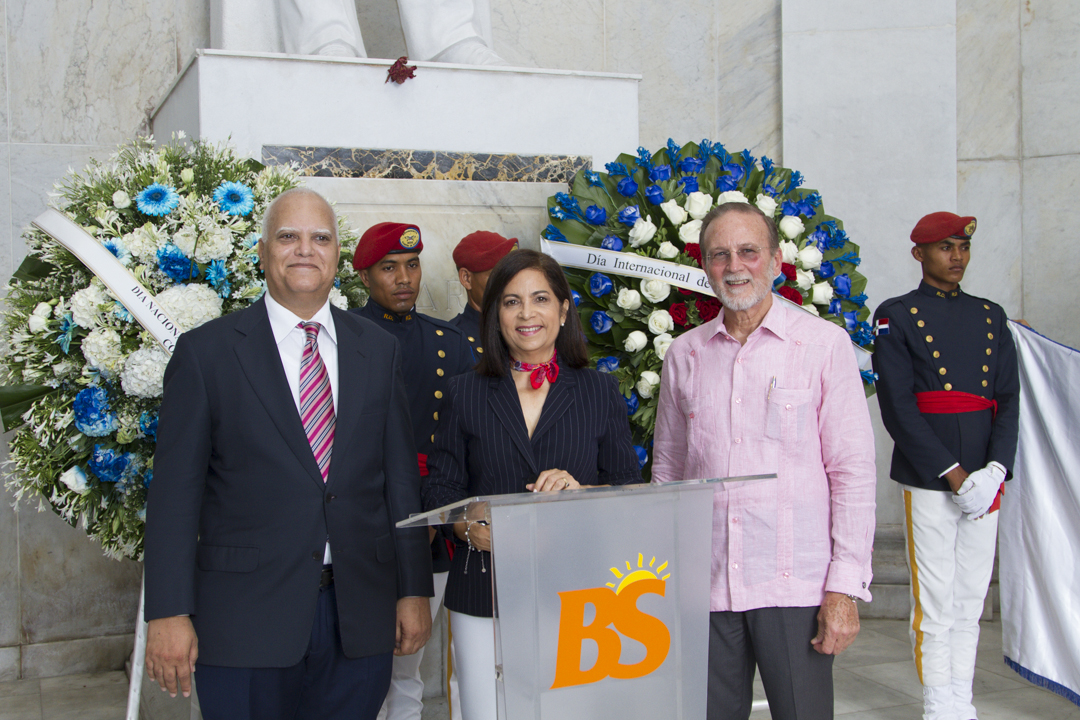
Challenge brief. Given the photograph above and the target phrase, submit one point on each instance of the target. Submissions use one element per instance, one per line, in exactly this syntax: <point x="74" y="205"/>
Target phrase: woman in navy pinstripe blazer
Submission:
<point x="532" y="417"/>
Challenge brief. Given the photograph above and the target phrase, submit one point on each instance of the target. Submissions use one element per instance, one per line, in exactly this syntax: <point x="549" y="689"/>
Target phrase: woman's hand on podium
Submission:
<point x="553" y="480"/>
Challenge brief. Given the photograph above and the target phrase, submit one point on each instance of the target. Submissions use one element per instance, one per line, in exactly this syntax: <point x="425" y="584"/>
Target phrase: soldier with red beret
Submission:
<point x="433" y="351"/>
<point x="474" y="256"/>
<point x="949" y="389"/>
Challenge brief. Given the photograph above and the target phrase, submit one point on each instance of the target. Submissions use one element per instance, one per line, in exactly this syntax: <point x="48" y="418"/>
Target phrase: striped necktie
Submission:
<point x="316" y="399"/>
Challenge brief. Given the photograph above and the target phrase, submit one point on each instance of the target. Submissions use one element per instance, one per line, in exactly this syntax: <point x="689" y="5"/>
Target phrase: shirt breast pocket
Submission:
<point x="786" y="414"/>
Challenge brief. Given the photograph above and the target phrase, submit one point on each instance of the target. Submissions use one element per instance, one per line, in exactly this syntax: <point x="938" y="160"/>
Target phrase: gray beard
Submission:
<point x="761" y="290"/>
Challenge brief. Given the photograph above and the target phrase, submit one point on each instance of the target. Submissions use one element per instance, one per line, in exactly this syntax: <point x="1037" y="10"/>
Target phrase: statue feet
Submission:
<point x="470" y="51"/>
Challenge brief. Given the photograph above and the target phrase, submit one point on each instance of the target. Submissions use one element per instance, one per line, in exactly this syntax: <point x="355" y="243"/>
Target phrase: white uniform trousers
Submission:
<point x="474" y="653"/>
<point x="405" y="699"/>
<point x="950" y="560"/>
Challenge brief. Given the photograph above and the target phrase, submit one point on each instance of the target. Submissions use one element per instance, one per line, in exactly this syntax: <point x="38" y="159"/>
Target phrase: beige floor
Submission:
<point x="874" y="680"/>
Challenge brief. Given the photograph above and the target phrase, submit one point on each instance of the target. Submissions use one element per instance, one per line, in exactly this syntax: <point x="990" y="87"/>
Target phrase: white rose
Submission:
<point x="144" y="372"/>
<point x="675" y="213"/>
<point x="655" y="290"/>
<point x="101" y="348"/>
<point x="660" y="322"/>
<point x="810" y="257"/>
<point x="811" y="309"/>
<point x="635" y="341"/>
<point x="690" y="232"/>
<point x="731" y="196"/>
<point x="698" y="204"/>
<point x="187" y="176"/>
<point x="121" y="200"/>
<point x="667" y="250"/>
<point x="86" y="304"/>
<point x="822" y="293"/>
<point x="190" y="305"/>
<point x="804" y="279"/>
<point x="628" y="299"/>
<point x="792" y="226"/>
<point x="36" y="323"/>
<point x="646" y="386"/>
<point x="766" y="204"/>
<point x="338" y="300"/>
<point x="661" y="343"/>
<point x="790" y="251"/>
<point x="42" y="309"/>
<point x="642" y="232"/>
<point x="75" y="479"/>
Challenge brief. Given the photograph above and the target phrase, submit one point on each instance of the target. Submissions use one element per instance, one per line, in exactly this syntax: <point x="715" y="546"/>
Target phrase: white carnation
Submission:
<point x="338" y="300"/>
<point x="667" y="250"/>
<point x="690" y="232"/>
<point x="655" y="290"/>
<point x="810" y="257"/>
<point x="660" y="322"/>
<point x="642" y="232"/>
<point x="646" y="385"/>
<point x="144" y="372"/>
<point x="791" y="226"/>
<point x="698" y="204"/>
<point x="628" y="299"/>
<point x="766" y="204"/>
<point x="101" y="348"/>
<point x="674" y="212"/>
<point x="190" y="305"/>
<point x="790" y="251"/>
<point x="635" y="341"/>
<point x="86" y="304"/>
<point x="661" y="343"/>
<point x="144" y="242"/>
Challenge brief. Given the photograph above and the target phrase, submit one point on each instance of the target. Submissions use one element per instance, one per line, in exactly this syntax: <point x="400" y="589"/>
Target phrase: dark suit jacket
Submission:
<point x="482" y="447"/>
<point x="238" y="514"/>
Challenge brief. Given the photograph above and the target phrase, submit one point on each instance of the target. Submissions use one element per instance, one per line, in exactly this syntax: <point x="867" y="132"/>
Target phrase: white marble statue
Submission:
<point x="451" y="31"/>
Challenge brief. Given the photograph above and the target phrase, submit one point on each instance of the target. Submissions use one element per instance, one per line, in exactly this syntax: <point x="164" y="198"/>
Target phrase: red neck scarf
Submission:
<point x="549" y="369"/>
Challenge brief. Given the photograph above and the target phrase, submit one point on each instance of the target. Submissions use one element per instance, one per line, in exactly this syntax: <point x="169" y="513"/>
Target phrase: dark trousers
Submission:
<point x="324" y="684"/>
<point x="798" y="681"/>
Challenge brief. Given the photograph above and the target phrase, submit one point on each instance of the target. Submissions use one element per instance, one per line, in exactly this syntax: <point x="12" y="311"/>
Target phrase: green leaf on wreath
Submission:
<point x="31" y="269"/>
<point x="17" y="399"/>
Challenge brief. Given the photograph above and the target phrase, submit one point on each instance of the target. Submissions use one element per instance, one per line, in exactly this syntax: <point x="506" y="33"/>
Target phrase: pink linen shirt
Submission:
<point x="790" y="402"/>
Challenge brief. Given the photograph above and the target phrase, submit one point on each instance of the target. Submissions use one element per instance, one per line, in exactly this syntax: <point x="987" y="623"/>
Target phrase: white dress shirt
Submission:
<point x="290" y="341"/>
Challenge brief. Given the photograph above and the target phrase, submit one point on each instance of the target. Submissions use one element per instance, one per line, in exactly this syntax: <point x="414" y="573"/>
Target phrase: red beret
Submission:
<point x="479" y="251"/>
<point x="935" y="227"/>
<point x="385" y="238"/>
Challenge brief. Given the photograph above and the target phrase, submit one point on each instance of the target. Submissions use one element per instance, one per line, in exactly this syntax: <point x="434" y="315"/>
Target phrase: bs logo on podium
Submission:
<point x="617" y="616"/>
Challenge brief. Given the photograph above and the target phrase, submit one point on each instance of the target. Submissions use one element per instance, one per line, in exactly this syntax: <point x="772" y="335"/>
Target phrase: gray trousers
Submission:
<point x="798" y="681"/>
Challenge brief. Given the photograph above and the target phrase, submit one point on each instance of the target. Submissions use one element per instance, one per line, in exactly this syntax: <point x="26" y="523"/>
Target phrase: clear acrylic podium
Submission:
<point x="601" y="597"/>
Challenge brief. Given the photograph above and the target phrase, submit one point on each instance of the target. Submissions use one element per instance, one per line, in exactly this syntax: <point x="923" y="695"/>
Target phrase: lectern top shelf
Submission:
<point x="474" y="508"/>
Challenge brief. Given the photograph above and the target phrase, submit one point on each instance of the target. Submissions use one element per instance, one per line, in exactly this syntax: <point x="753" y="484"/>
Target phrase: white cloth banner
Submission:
<point x="584" y="257"/>
<point x="97" y="258"/>
<point x="1039" y="527"/>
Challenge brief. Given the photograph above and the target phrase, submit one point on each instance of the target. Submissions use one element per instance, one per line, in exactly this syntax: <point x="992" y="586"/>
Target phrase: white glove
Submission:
<point x="980" y="489"/>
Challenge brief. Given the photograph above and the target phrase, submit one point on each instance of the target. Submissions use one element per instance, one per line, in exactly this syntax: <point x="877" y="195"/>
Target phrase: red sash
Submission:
<point x="949" y="401"/>
<point x="421" y="460"/>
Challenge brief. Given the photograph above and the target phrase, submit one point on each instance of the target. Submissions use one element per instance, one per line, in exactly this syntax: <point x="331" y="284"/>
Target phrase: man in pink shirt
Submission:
<point x="767" y="388"/>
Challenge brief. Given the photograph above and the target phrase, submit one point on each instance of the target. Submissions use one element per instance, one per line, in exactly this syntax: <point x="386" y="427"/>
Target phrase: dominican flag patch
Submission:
<point x="881" y="327"/>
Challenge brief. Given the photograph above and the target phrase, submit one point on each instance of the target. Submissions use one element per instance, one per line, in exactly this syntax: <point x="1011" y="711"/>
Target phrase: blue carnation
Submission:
<point x="642" y="455"/>
<point x="234" y="198"/>
<point x="93" y="417"/>
<point x="627" y="187"/>
<point x="690" y="184"/>
<point x="826" y="270"/>
<point x="629" y="215"/>
<point x="655" y="194"/>
<point x="660" y="172"/>
<point x="217" y="275"/>
<point x="109" y="465"/>
<point x="842" y="283"/>
<point x="576" y="297"/>
<point x="157" y="200"/>
<point x="691" y="165"/>
<point x="612" y="242"/>
<point x="119" y="250"/>
<point x="176" y="265"/>
<point x="554" y="234"/>
<point x="835" y="307"/>
<point x="148" y="424"/>
<point x="727" y="183"/>
<point x="607" y="364"/>
<point x="631" y="403"/>
<point x="601" y="322"/>
<point x="736" y="171"/>
<point x="820" y="238"/>
<point x="596" y="215"/>
<point x="600" y="285"/>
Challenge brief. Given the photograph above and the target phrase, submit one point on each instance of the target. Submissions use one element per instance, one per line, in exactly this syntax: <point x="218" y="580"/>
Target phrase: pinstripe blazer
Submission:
<point x="482" y="447"/>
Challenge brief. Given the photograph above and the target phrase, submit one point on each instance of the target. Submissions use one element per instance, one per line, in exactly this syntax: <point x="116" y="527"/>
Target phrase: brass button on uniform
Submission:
<point x="987" y="351"/>
<point x="929" y="338"/>
<point x="985" y="383"/>
<point x="948" y="386"/>
<point x="941" y="371"/>
<point x="920" y="323"/>
<point x="436" y="416"/>
<point x="438" y="394"/>
<point x="989" y="321"/>
<point x="914" y="311"/>
<point x="986" y="369"/>
<point x="480" y="350"/>
<point x="990" y="335"/>
<point x="442" y="353"/>
<point x="472" y="339"/>
<point x="439" y="333"/>
<point x="937" y="354"/>
<point x="986" y="306"/>
<point x="432" y="438"/>
<point x="439" y="372"/>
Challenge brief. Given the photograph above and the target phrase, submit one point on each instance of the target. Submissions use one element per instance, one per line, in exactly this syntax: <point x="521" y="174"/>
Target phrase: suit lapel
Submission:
<point x="352" y="372"/>
<point x="503" y="399"/>
<point x="261" y="363"/>
<point x="560" y="398"/>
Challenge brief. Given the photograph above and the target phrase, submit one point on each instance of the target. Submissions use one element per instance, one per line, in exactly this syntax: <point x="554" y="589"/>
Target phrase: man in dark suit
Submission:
<point x="284" y="442"/>
<point x="949" y="393"/>
<point x="474" y="257"/>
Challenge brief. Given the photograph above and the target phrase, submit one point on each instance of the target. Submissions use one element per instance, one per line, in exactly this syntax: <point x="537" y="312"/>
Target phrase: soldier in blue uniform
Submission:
<point x="949" y="390"/>
<point x="433" y="351"/>
<point x="474" y="256"/>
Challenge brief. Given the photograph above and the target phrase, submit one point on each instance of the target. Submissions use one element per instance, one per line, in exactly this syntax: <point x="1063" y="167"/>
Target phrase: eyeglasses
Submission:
<point x="748" y="254"/>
